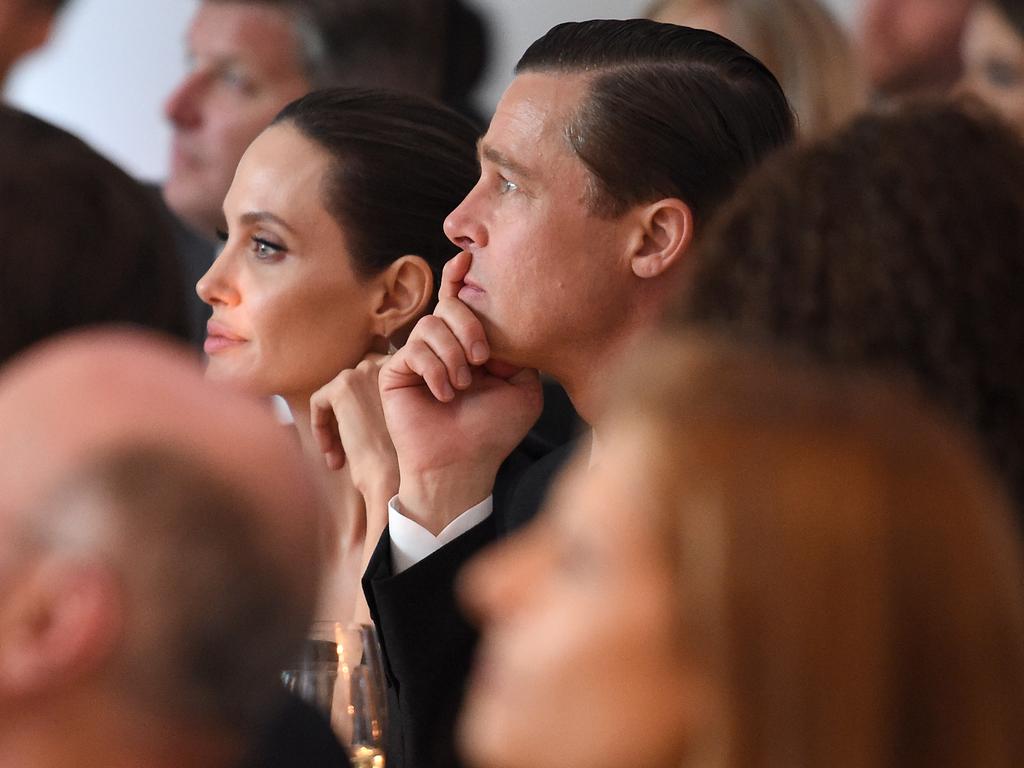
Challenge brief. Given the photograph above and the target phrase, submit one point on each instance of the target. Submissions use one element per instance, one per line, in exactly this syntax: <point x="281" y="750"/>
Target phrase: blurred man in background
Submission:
<point x="912" y="47"/>
<point x="154" y="578"/>
<point x="25" y="25"/>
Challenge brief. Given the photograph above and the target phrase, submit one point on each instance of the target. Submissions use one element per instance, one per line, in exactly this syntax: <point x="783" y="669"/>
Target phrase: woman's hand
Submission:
<point x="348" y="423"/>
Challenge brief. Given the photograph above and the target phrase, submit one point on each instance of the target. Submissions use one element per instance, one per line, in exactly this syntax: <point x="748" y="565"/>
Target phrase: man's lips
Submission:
<point x="182" y="156"/>
<point x="470" y="288"/>
<point x="220" y="338"/>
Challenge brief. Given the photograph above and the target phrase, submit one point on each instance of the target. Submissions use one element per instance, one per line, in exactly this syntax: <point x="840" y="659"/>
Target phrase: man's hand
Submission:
<point x="454" y="414"/>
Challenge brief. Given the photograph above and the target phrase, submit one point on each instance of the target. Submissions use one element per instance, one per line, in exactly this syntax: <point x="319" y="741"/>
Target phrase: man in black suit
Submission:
<point x="612" y="146"/>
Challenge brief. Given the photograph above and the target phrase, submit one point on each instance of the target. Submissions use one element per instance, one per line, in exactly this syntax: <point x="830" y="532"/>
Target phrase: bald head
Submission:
<point x="117" y="457"/>
<point x="93" y="392"/>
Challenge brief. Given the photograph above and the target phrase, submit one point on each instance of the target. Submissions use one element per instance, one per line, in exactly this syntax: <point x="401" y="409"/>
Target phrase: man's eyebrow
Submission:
<point x="492" y="155"/>
<point x="255" y="217"/>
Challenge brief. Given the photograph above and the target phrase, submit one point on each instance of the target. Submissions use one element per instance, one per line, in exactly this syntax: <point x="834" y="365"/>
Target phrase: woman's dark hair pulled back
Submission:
<point x="399" y="165"/>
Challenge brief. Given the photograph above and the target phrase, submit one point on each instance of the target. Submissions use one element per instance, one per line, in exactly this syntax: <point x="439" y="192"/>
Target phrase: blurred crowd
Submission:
<point x="670" y="413"/>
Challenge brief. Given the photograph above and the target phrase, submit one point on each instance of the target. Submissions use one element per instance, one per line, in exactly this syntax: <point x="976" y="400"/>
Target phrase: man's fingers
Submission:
<point x="527" y="378"/>
<point x="466" y="327"/>
<point x="417" y="363"/>
<point x="436" y="334"/>
<point x="453" y="274"/>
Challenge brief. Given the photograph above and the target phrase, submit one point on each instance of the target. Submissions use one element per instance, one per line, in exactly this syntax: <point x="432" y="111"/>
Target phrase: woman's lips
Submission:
<point x="219" y="338"/>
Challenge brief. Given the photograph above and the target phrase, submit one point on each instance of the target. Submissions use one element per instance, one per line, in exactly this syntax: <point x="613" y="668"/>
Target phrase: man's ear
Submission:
<point x="664" y="236"/>
<point x="406" y="288"/>
<point x="59" y="622"/>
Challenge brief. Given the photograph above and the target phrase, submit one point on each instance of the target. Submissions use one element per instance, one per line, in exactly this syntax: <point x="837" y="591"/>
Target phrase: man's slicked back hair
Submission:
<point x="670" y="111"/>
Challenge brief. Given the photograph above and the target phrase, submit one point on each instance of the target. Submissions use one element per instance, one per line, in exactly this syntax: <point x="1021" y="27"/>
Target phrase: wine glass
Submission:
<point x="340" y="673"/>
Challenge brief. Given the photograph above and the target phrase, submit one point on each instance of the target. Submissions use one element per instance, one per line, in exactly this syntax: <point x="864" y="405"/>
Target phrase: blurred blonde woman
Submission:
<point x="993" y="53"/>
<point x="798" y="40"/>
<point x="768" y="566"/>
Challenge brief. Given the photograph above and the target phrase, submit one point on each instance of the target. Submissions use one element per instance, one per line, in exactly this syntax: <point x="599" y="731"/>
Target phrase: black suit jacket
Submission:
<point x="428" y="644"/>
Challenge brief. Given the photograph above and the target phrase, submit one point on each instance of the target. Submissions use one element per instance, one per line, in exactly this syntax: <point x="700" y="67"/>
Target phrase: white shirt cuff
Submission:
<point x="411" y="542"/>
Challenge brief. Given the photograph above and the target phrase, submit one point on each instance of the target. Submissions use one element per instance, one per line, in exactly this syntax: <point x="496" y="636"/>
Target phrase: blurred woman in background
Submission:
<point x="769" y="566"/>
<point x="798" y="40"/>
<point x="993" y="50"/>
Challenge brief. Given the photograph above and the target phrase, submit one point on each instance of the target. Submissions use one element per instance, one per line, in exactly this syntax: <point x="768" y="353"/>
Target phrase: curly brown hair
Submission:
<point x="896" y="243"/>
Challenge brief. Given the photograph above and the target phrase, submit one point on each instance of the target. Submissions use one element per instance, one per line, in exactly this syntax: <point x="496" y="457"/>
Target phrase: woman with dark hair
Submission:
<point x="993" y="50"/>
<point x="769" y="566"/>
<point x="85" y="244"/>
<point x="897" y="243"/>
<point x="333" y="250"/>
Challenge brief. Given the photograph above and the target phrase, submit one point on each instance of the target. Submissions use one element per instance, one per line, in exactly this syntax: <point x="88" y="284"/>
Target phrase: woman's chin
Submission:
<point x="484" y="735"/>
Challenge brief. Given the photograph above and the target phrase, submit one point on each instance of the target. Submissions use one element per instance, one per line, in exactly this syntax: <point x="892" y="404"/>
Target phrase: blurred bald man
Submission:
<point x="912" y="47"/>
<point x="158" y="553"/>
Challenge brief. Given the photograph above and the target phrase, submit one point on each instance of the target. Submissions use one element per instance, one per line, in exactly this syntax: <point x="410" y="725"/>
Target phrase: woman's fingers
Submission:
<point x="324" y="425"/>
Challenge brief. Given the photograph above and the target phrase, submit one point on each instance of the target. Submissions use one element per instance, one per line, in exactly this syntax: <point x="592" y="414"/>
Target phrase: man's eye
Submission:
<point x="237" y="80"/>
<point x="504" y="185"/>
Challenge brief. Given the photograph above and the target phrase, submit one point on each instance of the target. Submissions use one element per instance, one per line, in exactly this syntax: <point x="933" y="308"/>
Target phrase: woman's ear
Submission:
<point x="664" y="236"/>
<point x="407" y="287"/>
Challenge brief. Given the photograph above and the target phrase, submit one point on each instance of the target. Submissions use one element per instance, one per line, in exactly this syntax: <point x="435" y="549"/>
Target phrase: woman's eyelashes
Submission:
<point x="1002" y="74"/>
<point x="265" y="249"/>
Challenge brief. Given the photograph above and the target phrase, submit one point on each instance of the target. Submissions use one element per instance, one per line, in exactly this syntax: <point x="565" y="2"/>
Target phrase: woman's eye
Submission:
<point x="265" y="250"/>
<point x="1001" y="74"/>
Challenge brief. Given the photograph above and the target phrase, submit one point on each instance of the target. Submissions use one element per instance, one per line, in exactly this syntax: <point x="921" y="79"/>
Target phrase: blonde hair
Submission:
<point x="803" y="46"/>
<point x="848" y="569"/>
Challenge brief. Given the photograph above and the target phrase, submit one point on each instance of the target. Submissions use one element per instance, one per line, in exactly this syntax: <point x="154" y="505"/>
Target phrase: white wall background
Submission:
<point x="112" y="63"/>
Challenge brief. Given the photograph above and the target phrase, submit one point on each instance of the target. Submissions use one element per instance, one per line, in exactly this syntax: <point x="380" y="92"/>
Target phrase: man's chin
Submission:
<point x="507" y="351"/>
<point x="197" y="215"/>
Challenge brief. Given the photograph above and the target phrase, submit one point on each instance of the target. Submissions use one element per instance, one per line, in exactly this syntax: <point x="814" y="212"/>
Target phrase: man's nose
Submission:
<point x="464" y="226"/>
<point x="182" y="108"/>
